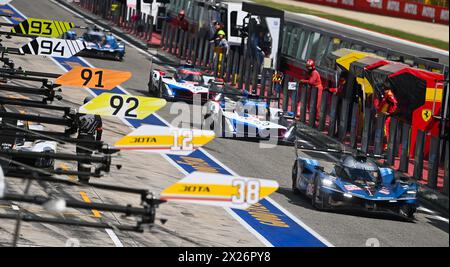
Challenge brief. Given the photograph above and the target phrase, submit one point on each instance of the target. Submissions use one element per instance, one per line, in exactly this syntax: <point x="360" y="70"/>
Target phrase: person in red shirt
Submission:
<point x="314" y="76"/>
<point x="313" y="81"/>
<point x="387" y="105"/>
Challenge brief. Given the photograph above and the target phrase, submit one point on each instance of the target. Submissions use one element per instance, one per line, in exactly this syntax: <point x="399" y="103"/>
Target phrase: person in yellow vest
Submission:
<point x="277" y="80"/>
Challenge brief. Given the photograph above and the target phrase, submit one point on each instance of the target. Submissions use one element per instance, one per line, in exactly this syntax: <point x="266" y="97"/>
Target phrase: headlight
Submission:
<point x="411" y="192"/>
<point x="327" y="182"/>
<point x="347" y="195"/>
<point x="169" y="91"/>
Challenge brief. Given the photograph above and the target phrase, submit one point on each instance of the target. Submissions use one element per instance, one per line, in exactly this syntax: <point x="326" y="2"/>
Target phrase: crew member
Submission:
<point x="89" y="128"/>
<point x="277" y="80"/>
<point x="181" y="21"/>
<point x="387" y="105"/>
<point x="313" y="81"/>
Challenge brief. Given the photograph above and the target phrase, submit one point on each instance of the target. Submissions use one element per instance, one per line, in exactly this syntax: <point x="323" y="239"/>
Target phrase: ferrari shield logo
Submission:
<point x="426" y="114"/>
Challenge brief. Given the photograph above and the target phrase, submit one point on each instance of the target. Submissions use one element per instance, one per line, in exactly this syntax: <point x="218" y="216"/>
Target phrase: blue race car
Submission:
<point x="99" y="44"/>
<point x="355" y="182"/>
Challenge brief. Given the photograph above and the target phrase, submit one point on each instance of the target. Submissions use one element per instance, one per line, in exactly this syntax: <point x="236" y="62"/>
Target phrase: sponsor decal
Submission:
<point x="444" y="15"/>
<point x="348" y="2"/>
<point x="352" y="187"/>
<point x="410" y="8"/>
<point x="429" y="12"/>
<point x="426" y="114"/>
<point x="393" y="6"/>
<point x="385" y="191"/>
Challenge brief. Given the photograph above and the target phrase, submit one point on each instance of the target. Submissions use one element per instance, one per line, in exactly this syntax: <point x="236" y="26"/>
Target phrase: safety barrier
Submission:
<point x="394" y="8"/>
<point x="139" y="25"/>
<point x="346" y="120"/>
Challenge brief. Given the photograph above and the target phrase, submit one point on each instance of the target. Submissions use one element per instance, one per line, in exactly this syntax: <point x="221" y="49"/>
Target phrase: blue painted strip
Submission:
<point x="266" y="219"/>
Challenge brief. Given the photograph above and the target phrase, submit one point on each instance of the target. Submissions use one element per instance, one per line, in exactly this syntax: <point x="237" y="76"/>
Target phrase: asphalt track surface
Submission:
<point x="248" y="159"/>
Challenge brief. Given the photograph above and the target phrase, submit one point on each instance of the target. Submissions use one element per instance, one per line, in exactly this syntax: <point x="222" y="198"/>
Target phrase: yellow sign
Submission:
<point x="93" y="78"/>
<point x="165" y="140"/>
<point x="123" y="106"/>
<point x="42" y="27"/>
<point x="426" y="114"/>
<point x="219" y="190"/>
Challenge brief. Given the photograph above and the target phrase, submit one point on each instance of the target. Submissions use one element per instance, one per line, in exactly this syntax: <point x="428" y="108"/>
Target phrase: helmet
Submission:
<point x="361" y="167"/>
<point x="181" y="13"/>
<point x="310" y="64"/>
<point x="87" y="99"/>
<point x="221" y="32"/>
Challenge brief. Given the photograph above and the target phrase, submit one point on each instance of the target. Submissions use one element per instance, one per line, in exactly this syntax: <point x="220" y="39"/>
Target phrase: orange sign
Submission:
<point x="94" y="78"/>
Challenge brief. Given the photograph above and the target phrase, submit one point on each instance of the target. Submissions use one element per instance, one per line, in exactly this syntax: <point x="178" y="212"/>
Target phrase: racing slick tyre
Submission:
<point x="218" y="128"/>
<point x="319" y="199"/>
<point x="294" y="178"/>
<point x="82" y="164"/>
<point x="151" y="88"/>
<point x="407" y="211"/>
<point x="118" y="57"/>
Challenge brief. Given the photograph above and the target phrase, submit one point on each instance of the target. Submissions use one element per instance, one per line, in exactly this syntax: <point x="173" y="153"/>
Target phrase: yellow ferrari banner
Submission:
<point x="42" y="27"/>
<point x="123" y="106"/>
<point x="93" y="78"/>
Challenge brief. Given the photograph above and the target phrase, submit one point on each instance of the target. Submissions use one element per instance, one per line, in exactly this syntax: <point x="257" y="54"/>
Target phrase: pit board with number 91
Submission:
<point x="103" y="79"/>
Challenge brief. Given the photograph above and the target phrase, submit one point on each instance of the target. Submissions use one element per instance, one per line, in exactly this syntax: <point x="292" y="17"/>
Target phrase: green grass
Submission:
<point x="400" y="34"/>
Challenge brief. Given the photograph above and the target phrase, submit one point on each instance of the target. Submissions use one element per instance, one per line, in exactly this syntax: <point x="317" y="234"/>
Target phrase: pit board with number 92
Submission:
<point x="123" y="106"/>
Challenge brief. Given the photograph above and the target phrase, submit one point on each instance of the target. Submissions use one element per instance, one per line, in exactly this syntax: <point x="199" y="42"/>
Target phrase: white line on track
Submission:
<point x="435" y="216"/>
<point x="114" y="238"/>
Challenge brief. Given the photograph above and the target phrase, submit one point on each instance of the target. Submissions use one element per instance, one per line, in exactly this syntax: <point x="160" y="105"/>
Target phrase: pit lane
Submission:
<point x="248" y="159"/>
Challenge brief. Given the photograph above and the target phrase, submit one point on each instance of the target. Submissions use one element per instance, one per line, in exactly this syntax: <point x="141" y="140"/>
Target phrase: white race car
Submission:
<point x="239" y="115"/>
<point x="21" y="144"/>
<point x="186" y="83"/>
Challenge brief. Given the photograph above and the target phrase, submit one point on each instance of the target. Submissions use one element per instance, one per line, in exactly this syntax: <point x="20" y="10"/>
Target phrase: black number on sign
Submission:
<point x="100" y="78"/>
<point x="87" y="74"/>
<point x="57" y="50"/>
<point x="129" y="110"/>
<point x="47" y="48"/>
<point x="39" y="27"/>
<point x="35" y="27"/>
<point x="112" y="103"/>
<point x="116" y="102"/>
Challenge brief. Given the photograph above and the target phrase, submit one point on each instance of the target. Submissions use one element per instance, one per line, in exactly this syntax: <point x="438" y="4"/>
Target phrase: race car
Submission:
<point x="356" y="182"/>
<point x="21" y="144"/>
<point x="186" y="83"/>
<point x="242" y="115"/>
<point x="99" y="44"/>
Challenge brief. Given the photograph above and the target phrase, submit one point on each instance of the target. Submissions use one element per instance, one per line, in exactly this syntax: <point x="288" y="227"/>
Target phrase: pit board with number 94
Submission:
<point x="53" y="47"/>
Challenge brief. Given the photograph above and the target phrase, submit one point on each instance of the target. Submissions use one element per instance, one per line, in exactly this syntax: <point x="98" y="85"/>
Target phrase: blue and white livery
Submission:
<point x="355" y="182"/>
